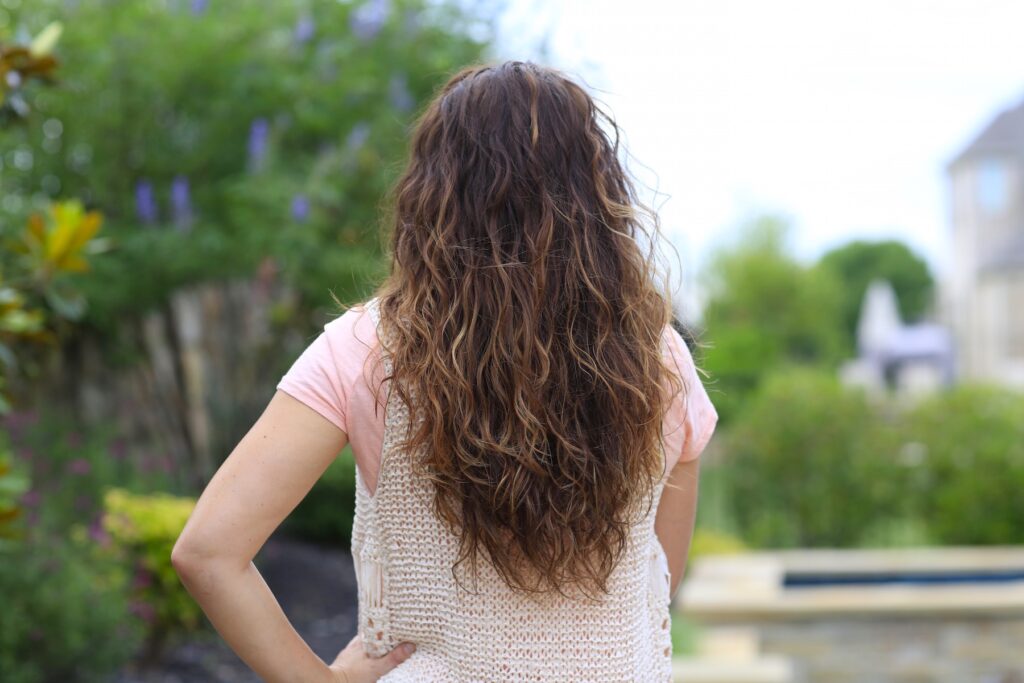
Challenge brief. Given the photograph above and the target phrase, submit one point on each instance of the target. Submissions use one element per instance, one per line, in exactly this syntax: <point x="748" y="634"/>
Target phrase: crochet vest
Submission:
<point x="480" y="630"/>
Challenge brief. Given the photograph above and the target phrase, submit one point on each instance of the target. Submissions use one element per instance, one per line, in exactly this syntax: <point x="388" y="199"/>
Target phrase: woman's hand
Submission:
<point x="353" y="665"/>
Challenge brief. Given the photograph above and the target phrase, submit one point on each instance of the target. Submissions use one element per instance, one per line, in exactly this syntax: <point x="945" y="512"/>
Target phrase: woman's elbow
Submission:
<point x="186" y="558"/>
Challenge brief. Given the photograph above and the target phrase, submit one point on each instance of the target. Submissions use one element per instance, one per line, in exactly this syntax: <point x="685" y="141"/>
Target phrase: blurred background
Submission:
<point x="185" y="183"/>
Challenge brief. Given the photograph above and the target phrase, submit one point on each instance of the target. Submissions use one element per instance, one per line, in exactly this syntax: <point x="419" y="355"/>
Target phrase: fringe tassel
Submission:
<point x="370" y="576"/>
<point x="660" y="576"/>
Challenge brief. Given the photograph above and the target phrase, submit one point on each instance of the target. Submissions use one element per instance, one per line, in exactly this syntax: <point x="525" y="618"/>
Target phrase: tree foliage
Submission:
<point x="857" y="263"/>
<point x="212" y="135"/>
<point x="765" y="309"/>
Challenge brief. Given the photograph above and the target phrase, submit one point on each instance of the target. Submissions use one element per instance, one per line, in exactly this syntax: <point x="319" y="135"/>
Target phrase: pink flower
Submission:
<point x="142" y="579"/>
<point x="79" y="466"/>
<point x="75" y="439"/>
<point x="118" y="449"/>
<point x="98" y="534"/>
<point x="31" y="498"/>
<point x="143" y="610"/>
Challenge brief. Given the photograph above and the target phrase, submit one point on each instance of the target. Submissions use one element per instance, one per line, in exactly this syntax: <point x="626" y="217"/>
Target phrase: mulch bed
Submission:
<point x="316" y="587"/>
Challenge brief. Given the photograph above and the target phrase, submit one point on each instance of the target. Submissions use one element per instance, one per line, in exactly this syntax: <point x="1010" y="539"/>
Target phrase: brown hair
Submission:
<point x="525" y="328"/>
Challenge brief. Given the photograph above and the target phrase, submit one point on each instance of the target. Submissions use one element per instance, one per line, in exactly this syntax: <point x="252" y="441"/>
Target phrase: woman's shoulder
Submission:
<point x="353" y="333"/>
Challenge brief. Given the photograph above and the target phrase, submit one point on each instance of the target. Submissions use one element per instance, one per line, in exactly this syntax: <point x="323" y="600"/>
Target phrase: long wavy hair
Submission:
<point x="525" y="326"/>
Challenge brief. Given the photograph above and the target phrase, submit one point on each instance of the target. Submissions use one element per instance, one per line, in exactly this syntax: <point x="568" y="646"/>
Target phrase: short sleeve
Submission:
<point x="691" y="417"/>
<point x="314" y="380"/>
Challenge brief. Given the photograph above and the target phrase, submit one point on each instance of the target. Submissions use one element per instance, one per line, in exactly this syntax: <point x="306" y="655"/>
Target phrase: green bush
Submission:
<point x="143" y="530"/>
<point x="811" y="463"/>
<point x="325" y="514"/>
<point x="70" y="467"/>
<point x="13" y="484"/>
<point x="65" y="613"/>
<point x="213" y="135"/>
<point x="966" y="450"/>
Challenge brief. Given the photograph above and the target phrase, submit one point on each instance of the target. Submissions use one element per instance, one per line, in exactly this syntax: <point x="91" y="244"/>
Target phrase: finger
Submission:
<point x="398" y="655"/>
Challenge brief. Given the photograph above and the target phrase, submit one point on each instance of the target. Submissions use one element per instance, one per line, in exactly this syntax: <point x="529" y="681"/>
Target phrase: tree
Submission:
<point x="764" y="309"/>
<point x="857" y="263"/>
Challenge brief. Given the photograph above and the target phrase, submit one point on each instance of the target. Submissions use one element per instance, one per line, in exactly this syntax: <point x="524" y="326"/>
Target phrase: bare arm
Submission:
<point x="267" y="474"/>
<point x="677" y="513"/>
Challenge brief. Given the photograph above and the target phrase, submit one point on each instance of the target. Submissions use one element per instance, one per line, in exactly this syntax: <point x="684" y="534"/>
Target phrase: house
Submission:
<point x="986" y="286"/>
<point x="911" y="360"/>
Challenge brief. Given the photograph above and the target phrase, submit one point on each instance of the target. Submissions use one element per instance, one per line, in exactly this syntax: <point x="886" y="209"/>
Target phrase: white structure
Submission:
<point x="987" y="280"/>
<point x="910" y="359"/>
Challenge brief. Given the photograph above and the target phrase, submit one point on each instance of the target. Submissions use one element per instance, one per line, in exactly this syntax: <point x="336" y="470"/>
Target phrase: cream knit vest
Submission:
<point x="483" y="631"/>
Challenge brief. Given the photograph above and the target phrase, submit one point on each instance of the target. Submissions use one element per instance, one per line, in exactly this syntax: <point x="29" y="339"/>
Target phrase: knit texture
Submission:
<point x="472" y="631"/>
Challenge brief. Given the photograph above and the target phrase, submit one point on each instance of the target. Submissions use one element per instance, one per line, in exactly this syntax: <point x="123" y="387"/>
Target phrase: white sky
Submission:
<point x="840" y="115"/>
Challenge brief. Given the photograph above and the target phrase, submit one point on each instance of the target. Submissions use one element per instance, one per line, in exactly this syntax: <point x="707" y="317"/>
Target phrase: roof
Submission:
<point x="1003" y="135"/>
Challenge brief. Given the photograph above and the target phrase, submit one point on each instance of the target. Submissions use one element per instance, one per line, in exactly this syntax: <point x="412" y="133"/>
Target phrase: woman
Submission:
<point x="526" y="492"/>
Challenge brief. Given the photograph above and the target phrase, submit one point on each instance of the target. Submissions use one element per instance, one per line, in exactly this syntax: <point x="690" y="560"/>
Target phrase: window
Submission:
<point x="993" y="185"/>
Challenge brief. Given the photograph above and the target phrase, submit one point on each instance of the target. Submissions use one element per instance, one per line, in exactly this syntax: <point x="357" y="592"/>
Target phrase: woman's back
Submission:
<point x="476" y="628"/>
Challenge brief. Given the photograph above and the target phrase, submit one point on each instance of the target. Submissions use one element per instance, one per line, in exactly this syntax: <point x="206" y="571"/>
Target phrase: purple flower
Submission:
<point x="399" y="95"/>
<point x="367" y="20"/>
<point x="83" y="503"/>
<point x="31" y="498"/>
<point x="142" y="578"/>
<point x="145" y="202"/>
<point x="199" y="6"/>
<point x="75" y="440"/>
<point x="305" y="28"/>
<point x="143" y="610"/>
<point x="358" y="136"/>
<point x="411" y="23"/>
<point x="259" y="133"/>
<point x="15" y="422"/>
<point x="79" y="467"/>
<point x="181" y="204"/>
<point x="300" y="208"/>
<point x="97" y="533"/>
<point x="118" y="449"/>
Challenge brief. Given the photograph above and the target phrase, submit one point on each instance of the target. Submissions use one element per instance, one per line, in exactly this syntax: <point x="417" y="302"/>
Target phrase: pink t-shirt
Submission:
<point x="333" y="377"/>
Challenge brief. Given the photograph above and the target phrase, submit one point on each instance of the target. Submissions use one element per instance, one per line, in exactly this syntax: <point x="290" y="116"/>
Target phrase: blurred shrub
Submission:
<point x="37" y="293"/>
<point x="13" y="484"/>
<point x="143" y="529"/>
<point x="325" y="514"/>
<point x="22" y="64"/>
<point x="65" y="614"/>
<point x="765" y="309"/>
<point x="710" y="542"/>
<point x="966" y="450"/>
<point x="214" y="134"/>
<point x="811" y="463"/>
<point x="70" y="467"/>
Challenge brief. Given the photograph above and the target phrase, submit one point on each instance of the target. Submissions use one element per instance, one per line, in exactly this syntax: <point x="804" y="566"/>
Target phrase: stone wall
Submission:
<point x="935" y="649"/>
<point x="928" y="621"/>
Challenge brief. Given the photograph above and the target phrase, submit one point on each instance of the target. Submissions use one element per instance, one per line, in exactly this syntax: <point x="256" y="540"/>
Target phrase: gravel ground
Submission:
<point x="316" y="587"/>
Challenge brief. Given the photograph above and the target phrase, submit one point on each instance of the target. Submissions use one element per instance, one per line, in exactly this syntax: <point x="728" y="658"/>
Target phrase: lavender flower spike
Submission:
<point x="300" y="208"/>
<point x="181" y="203"/>
<point x="305" y="29"/>
<point x="358" y="136"/>
<point x="367" y="20"/>
<point x="399" y="95"/>
<point x="145" y="202"/>
<point x="259" y="134"/>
